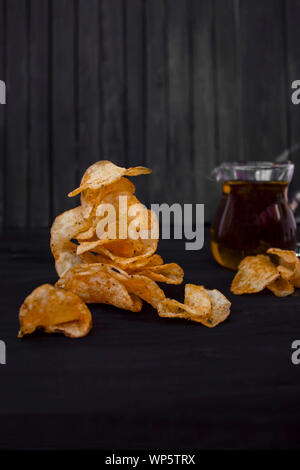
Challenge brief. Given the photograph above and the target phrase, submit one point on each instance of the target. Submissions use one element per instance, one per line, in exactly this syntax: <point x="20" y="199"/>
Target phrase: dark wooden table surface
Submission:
<point x="139" y="381"/>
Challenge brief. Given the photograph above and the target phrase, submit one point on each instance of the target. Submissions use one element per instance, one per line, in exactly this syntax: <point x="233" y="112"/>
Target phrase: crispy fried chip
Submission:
<point x="94" y="283"/>
<point x="63" y="230"/>
<point x="287" y="258"/>
<point x="171" y="308"/>
<point x="102" y="173"/>
<point x="197" y="298"/>
<point x="220" y="308"/>
<point x="296" y="278"/>
<point x="170" y="273"/>
<point x="254" y="274"/>
<point x="209" y="307"/>
<point x="91" y="198"/>
<point x="142" y="286"/>
<point x="287" y="264"/>
<point x="281" y="287"/>
<point x="54" y="310"/>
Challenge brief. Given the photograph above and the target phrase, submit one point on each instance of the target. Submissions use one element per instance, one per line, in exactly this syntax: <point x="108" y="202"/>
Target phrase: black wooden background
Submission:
<point x="177" y="85"/>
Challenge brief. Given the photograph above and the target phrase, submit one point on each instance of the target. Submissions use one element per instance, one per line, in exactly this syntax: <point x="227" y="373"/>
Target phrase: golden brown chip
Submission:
<point x="281" y="287"/>
<point x="220" y="308"/>
<point x="209" y="307"/>
<point x="170" y="273"/>
<point x="171" y="308"/>
<point x="287" y="258"/>
<point x="288" y="264"/>
<point x="296" y="278"/>
<point x="92" y="198"/>
<point x="197" y="298"/>
<point x="94" y="283"/>
<point x="63" y="230"/>
<point x="254" y="274"/>
<point x="54" y="310"/>
<point x="142" y="286"/>
<point x="103" y="173"/>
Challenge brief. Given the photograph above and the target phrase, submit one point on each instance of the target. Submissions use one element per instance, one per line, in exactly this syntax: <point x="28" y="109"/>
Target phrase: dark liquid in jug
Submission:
<point x="252" y="217"/>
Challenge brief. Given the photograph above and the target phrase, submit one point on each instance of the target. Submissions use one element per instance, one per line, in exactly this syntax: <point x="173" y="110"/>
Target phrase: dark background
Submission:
<point x="177" y="85"/>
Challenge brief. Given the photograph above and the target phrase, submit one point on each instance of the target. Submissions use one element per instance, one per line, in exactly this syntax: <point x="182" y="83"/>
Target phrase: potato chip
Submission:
<point x="93" y="283"/>
<point x="102" y="173"/>
<point x="91" y="198"/>
<point x="171" y="308"/>
<point x="281" y="287"/>
<point x="142" y="286"/>
<point x="170" y="273"/>
<point x="209" y="307"/>
<point x="254" y="274"/>
<point x="54" y="310"/>
<point x="288" y="263"/>
<point x="296" y="278"/>
<point x="63" y="230"/>
<point x="197" y="298"/>
<point x="287" y="258"/>
<point x="220" y="308"/>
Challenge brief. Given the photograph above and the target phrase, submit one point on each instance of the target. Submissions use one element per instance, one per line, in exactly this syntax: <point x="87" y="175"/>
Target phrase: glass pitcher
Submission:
<point x="254" y="213"/>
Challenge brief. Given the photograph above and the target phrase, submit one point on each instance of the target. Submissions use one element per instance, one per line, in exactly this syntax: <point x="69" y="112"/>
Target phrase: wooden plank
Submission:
<point x="2" y="110"/>
<point x="228" y="81"/>
<point x="135" y="90"/>
<point x="179" y="155"/>
<point x="113" y="82"/>
<point x="204" y="105"/>
<point x="293" y="73"/>
<point x="39" y="201"/>
<point x="63" y="104"/>
<point x="16" y="186"/>
<point x="89" y="91"/>
<point x="156" y="100"/>
<point x="263" y="79"/>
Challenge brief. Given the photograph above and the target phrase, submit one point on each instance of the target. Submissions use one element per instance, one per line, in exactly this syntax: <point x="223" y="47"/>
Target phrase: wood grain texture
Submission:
<point x="263" y="79"/>
<point x="39" y="117"/>
<point x="176" y="85"/>
<point x="292" y="16"/>
<point x="135" y="43"/>
<point x="156" y="109"/>
<point x="16" y="187"/>
<point x="2" y="112"/>
<point x="64" y="144"/>
<point x="179" y="156"/>
<point x="113" y="82"/>
<point x="205" y="137"/>
<point x="89" y="84"/>
<point x="228" y="80"/>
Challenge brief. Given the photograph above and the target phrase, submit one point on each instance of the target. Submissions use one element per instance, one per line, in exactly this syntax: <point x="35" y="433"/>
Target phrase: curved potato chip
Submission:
<point x="287" y="258"/>
<point x="208" y="307"/>
<point x="288" y="263"/>
<point x="91" y="198"/>
<point x="93" y="283"/>
<point x="142" y="286"/>
<point x="170" y="273"/>
<point x="254" y="274"/>
<point x="296" y="278"/>
<point x="281" y="287"/>
<point x="197" y="298"/>
<point x="149" y="247"/>
<point x="54" y="310"/>
<point x="171" y="308"/>
<point x="103" y="173"/>
<point x="220" y="308"/>
<point x="64" y="228"/>
<point x="286" y="273"/>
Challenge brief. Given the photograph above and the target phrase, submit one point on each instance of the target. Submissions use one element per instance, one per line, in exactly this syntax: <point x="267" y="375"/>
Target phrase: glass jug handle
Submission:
<point x="295" y="201"/>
